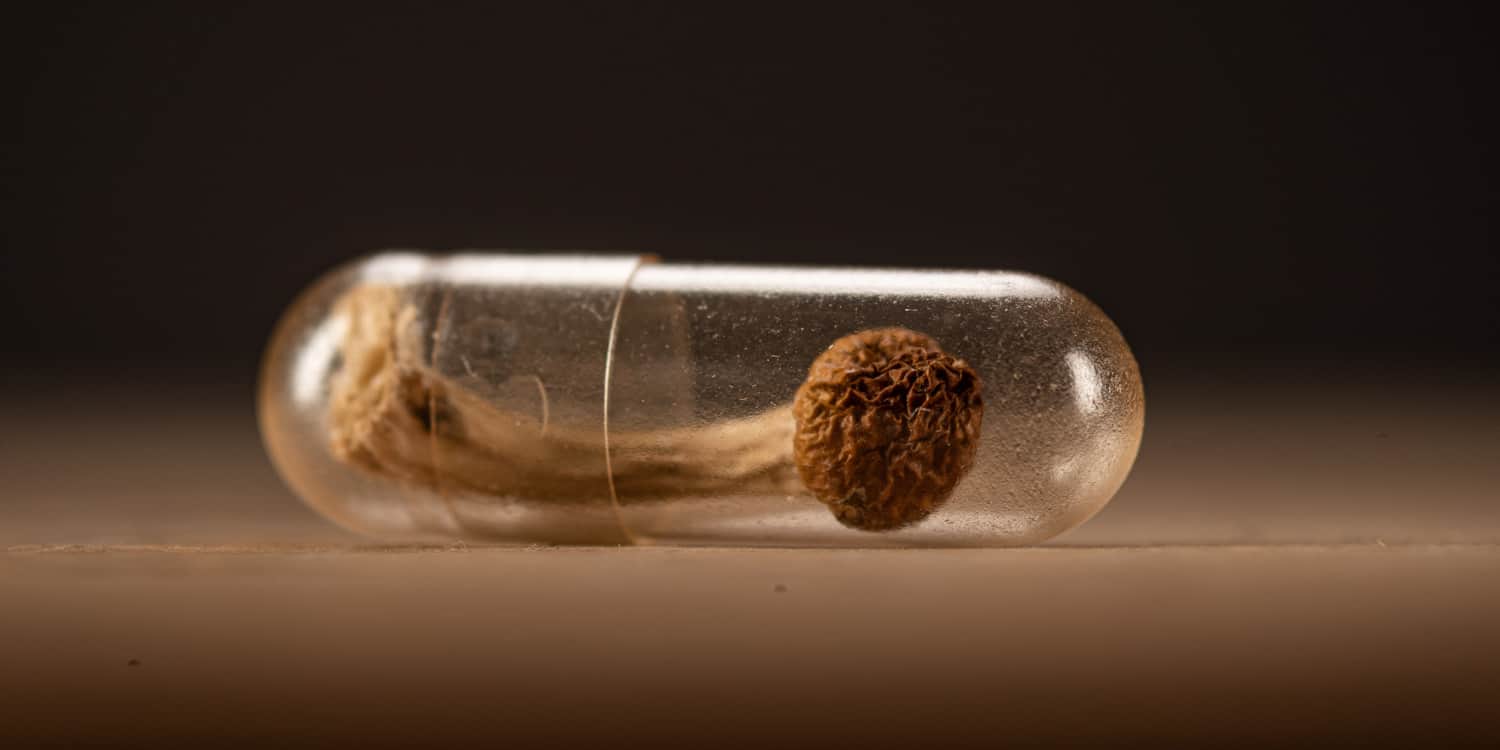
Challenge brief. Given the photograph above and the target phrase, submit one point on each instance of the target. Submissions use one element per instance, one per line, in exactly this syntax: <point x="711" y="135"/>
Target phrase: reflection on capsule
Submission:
<point x="613" y="399"/>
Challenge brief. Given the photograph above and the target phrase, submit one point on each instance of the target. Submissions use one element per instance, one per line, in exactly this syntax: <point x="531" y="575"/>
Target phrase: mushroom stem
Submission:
<point x="392" y="413"/>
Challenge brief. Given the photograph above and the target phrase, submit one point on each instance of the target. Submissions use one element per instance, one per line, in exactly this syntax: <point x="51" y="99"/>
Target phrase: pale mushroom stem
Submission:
<point x="393" y="414"/>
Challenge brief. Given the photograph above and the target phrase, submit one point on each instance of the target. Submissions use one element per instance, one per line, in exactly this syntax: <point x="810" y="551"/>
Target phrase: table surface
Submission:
<point x="1286" y="561"/>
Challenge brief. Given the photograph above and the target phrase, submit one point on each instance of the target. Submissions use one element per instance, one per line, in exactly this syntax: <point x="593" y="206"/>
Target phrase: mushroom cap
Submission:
<point x="887" y="423"/>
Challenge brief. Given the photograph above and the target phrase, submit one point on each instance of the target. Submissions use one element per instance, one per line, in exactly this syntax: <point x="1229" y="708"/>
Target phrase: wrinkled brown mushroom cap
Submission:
<point x="886" y="425"/>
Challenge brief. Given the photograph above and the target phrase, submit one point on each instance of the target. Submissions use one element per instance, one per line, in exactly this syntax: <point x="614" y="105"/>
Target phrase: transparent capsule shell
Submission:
<point x="600" y="399"/>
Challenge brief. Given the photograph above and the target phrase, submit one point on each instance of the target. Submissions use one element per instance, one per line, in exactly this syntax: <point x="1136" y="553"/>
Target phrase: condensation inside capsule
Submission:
<point x="611" y="400"/>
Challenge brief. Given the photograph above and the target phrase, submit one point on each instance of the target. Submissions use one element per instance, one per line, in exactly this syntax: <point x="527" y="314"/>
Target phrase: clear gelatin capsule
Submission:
<point x="609" y="399"/>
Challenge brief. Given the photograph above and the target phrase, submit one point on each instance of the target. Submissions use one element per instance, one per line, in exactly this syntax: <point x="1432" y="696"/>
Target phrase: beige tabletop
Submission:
<point x="1291" y="558"/>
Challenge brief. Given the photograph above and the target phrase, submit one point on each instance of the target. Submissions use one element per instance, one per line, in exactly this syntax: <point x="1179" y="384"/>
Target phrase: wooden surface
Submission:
<point x="1283" y="564"/>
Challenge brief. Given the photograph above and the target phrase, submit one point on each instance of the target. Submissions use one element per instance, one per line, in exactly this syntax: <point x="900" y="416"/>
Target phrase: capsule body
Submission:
<point x="606" y="399"/>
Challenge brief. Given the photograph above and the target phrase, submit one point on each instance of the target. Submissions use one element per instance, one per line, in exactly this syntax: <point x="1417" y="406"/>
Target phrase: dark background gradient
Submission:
<point x="1288" y="208"/>
<point x="1248" y="184"/>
